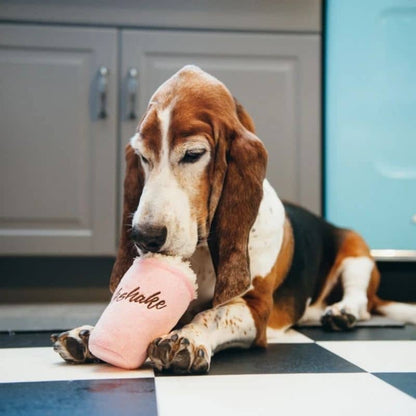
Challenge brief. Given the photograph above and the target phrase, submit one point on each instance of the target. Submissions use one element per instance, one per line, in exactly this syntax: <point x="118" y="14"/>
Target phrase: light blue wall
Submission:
<point x="370" y="113"/>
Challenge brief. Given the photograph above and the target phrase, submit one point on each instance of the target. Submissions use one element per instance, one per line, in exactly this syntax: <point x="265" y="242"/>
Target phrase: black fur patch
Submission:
<point x="315" y="249"/>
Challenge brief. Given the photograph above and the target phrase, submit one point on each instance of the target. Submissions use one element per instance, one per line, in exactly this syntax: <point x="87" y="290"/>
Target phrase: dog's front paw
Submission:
<point x="179" y="354"/>
<point x="72" y="345"/>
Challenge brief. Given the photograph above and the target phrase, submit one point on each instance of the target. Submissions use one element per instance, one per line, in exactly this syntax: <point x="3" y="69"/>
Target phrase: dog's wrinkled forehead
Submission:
<point x="190" y="84"/>
<point x="184" y="105"/>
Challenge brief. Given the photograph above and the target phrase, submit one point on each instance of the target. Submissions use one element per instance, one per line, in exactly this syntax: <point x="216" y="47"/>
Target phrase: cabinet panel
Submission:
<point x="276" y="77"/>
<point x="57" y="159"/>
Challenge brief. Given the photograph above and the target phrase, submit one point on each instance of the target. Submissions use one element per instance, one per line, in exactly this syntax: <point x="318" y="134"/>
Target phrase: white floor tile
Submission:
<point x="376" y="356"/>
<point x="290" y="394"/>
<point x="291" y="336"/>
<point x="43" y="364"/>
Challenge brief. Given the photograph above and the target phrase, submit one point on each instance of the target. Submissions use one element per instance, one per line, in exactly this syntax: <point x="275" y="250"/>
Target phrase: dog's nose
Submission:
<point x="149" y="238"/>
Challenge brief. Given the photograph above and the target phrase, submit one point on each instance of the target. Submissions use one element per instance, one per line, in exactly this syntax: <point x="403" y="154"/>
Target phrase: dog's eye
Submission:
<point x="192" y="156"/>
<point x="144" y="160"/>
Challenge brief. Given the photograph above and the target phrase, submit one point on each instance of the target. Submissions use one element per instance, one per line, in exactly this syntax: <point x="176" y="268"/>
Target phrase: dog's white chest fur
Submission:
<point x="265" y="241"/>
<point x="266" y="235"/>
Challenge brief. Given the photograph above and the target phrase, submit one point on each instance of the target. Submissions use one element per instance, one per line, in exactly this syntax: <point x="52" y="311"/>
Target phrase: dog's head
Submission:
<point x="195" y="173"/>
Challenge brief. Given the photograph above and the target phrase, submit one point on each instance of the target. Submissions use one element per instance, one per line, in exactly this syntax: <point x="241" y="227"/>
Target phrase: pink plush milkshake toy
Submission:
<point x="147" y="303"/>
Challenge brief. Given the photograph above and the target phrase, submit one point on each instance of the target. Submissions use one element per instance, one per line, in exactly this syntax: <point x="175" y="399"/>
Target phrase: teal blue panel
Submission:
<point x="370" y="119"/>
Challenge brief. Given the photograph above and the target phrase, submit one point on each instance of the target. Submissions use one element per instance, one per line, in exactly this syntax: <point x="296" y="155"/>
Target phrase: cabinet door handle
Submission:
<point x="102" y="87"/>
<point x="132" y="83"/>
<point x="414" y="219"/>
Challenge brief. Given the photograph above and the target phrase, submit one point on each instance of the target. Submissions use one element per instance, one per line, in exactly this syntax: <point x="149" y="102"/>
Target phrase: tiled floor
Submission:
<point x="369" y="371"/>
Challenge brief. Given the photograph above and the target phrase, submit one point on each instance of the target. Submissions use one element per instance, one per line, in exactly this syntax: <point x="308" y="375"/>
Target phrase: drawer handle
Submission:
<point x="132" y="83"/>
<point x="102" y="91"/>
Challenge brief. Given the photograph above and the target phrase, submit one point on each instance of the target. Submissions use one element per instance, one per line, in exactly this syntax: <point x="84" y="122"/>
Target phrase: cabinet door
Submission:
<point x="57" y="157"/>
<point x="276" y="77"/>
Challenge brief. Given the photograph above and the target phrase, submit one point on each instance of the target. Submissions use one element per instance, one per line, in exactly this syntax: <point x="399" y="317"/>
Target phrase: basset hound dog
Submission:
<point x="195" y="187"/>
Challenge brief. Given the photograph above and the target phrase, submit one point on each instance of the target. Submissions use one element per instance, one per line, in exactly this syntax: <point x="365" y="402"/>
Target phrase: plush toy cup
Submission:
<point x="147" y="303"/>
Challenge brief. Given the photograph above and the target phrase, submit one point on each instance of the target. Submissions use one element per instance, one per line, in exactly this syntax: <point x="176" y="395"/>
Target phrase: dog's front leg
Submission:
<point x="189" y="349"/>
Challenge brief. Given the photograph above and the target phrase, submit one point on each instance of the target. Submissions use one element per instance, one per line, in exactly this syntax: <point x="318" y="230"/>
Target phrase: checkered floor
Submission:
<point x="369" y="371"/>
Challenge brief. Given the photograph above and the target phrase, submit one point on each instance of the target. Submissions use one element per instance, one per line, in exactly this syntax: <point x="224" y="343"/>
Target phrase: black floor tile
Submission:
<point x="26" y="339"/>
<point x="407" y="332"/>
<point x="278" y="359"/>
<point x="83" y="397"/>
<point x="403" y="381"/>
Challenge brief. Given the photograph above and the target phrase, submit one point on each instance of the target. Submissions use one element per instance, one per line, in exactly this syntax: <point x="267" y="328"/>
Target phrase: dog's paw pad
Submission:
<point x="338" y="320"/>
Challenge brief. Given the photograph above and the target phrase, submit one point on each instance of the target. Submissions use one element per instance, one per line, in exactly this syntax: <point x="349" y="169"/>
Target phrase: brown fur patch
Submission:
<point x="351" y="245"/>
<point x="244" y="117"/>
<point x="150" y="133"/>
<point x="373" y="299"/>
<point x="235" y="214"/>
<point x="133" y="186"/>
<point x="260" y="299"/>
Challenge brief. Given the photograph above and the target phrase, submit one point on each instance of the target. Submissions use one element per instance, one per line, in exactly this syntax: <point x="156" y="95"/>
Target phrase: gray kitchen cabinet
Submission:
<point x="62" y="166"/>
<point x="275" y="76"/>
<point x="57" y="156"/>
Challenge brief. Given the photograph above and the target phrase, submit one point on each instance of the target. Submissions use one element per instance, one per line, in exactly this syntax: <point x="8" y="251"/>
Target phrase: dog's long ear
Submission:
<point x="133" y="186"/>
<point x="245" y="160"/>
<point x="244" y="116"/>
